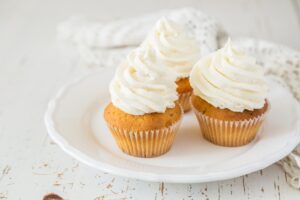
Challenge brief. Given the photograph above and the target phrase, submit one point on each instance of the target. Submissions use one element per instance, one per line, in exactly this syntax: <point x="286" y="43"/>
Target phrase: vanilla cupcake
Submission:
<point x="143" y="116"/>
<point x="229" y="96"/>
<point x="177" y="51"/>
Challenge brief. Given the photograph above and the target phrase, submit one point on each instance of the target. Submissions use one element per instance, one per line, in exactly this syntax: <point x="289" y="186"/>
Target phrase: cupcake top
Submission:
<point x="173" y="47"/>
<point x="141" y="85"/>
<point x="228" y="78"/>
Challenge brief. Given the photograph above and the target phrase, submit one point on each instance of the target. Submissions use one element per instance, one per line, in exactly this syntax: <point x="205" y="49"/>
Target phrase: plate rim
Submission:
<point x="151" y="176"/>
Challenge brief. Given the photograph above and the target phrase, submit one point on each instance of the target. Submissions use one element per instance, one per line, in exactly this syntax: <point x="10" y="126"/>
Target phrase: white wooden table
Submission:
<point x="32" y="69"/>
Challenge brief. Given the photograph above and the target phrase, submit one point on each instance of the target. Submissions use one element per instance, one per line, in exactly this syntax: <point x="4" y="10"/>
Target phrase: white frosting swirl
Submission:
<point x="230" y="79"/>
<point x="141" y="85"/>
<point x="173" y="47"/>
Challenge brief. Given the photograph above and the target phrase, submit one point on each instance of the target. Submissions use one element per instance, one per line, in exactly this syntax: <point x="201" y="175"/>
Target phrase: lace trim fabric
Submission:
<point x="106" y="44"/>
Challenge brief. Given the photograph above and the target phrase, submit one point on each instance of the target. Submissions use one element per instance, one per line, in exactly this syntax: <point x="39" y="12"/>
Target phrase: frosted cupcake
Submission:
<point x="229" y="96"/>
<point x="177" y="51"/>
<point x="143" y="116"/>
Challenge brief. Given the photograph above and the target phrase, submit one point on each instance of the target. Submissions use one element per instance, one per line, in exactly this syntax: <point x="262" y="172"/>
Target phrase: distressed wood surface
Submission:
<point x="32" y="70"/>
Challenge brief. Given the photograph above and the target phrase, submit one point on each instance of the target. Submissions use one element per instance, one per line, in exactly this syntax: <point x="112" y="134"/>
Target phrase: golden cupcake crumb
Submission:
<point x="183" y="85"/>
<point x="116" y="117"/>
<point x="225" y="114"/>
<point x="184" y="91"/>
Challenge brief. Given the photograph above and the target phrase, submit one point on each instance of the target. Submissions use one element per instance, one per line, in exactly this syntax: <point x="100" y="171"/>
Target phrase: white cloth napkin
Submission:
<point x="101" y="44"/>
<point x="105" y="44"/>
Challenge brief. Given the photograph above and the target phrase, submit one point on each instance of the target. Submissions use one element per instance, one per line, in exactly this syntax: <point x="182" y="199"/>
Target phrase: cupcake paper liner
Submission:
<point x="149" y="143"/>
<point x="229" y="133"/>
<point x="184" y="101"/>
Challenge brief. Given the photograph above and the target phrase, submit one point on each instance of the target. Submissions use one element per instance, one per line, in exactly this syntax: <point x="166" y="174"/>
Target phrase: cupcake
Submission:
<point x="229" y="96"/>
<point x="177" y="51"/>
<point x="143" y="115"/>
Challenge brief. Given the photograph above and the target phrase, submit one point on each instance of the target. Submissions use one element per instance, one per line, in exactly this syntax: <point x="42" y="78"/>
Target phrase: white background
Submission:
<point x="32" y="70"/>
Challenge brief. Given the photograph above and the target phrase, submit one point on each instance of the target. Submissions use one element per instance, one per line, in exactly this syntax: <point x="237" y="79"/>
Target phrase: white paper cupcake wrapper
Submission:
<point x="184" y="101"/>
<point x="229" y="133"/>
<point x="149" y="143"/>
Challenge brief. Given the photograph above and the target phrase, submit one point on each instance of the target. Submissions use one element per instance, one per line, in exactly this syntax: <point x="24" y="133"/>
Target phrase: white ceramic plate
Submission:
<point x="74" y="120"/>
